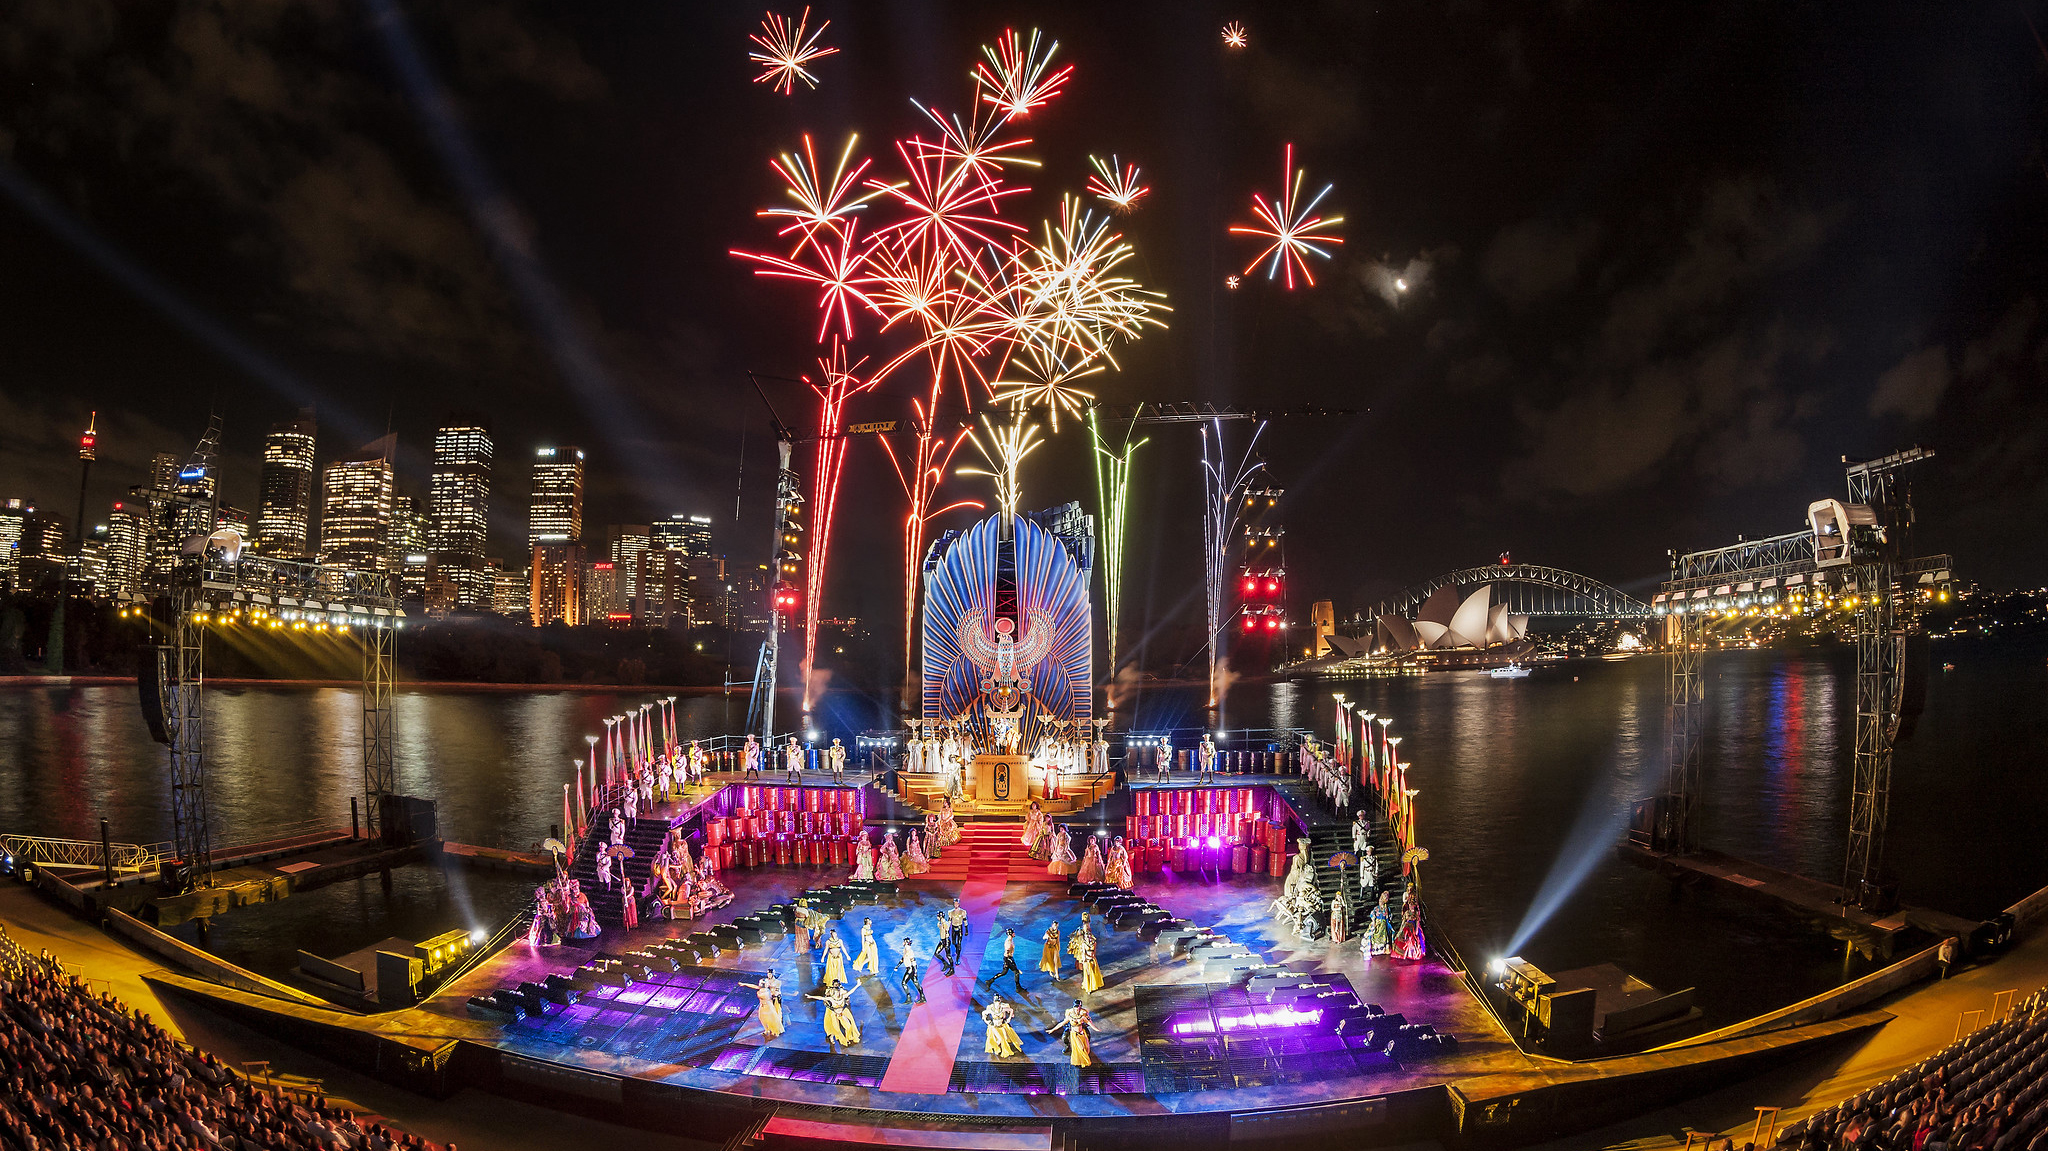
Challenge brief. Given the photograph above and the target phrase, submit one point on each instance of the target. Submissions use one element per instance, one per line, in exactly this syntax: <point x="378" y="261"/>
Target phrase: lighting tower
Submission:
<point x="785" y="596"/>
<point x="181" y="667"/>
<point x="1262" y="572"/>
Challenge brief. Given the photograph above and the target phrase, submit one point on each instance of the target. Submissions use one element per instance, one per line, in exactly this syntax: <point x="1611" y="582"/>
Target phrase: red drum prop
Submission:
<point x="1258" y="859"/>
<point x="1239" y="857"/>
<point x="782" y="850"/>
<point x="1276" y="864"/>
<point x="714" y="832"/>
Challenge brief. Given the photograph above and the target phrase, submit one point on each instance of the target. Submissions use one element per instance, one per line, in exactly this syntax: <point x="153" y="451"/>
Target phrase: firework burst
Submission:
<point x="1116" y="186"/>
<point x="786" y="51"/>
<point x="1294" y="230"/>
<point x="1234" y="36"/>
<point x="1015" y="78"/>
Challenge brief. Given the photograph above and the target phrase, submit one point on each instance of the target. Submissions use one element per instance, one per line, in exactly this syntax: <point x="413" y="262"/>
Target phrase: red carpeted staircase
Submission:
<point x="988" y="851"/>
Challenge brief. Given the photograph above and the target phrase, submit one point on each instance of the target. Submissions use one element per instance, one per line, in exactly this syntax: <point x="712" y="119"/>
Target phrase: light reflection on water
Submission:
<point x="1506" y="771"/>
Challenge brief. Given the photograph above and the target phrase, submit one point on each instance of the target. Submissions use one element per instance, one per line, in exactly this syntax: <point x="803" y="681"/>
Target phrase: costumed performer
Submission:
<point x="870" y="959"/>
<point x="1063" y="863"/>
<point x="1409" y="944"/>
<point x="835" y="959"/>
<point x="1002" y="1038"/>
<point x="914" y="861"/>
<point x="889" y="865"/>
<point x="863" y="859"/>
<point x="1049" y="960"/>
<point x="1077" y="1025"/>
<point x="1092" y="869"/>
<point x="1378" y="937"/>
<point x="840" y="1026"/>
<point x="769" y="992"/>
<point x="1120" y="865"/>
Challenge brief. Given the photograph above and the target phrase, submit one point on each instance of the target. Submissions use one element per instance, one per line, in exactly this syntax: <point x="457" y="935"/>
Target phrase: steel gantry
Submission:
<point x="212" y="584"/>
<point x="1856" y="551"/>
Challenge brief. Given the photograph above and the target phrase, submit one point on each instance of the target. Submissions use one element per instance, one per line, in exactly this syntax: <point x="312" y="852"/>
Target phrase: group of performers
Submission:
<point x="1103" y="861"/>
<point x="946" y="750"/>
<point x="940" y="750"/>
<point x="1301" y="908"/>
<point x="1331" y="778"/>
<point x="794" y="756"/>
<point x="561" y="912"/>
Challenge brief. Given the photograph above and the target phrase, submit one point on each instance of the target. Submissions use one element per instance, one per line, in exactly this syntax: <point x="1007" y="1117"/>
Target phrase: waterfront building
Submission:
<point x="355" y="514"/>
<point x="556" y="512"/>
<point x="459" y="519"/>
<point x="91" y="568"/>
<point x="13" y="526"/>
<point x="284" y="510"/>
<point x="663" y="588"/>
<point x="127" y="549"/>
<point x="689" y="534"/>
<point x="626" y="542"/>
<point x="511" y="590"/>
<point x="557" y="595"/>
<point x="604" y="602"/>
<point x="711" y="598"/>
<point x="409" y="555"/>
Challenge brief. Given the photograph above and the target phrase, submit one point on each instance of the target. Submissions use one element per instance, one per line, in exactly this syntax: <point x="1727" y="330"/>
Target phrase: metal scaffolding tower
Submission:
<point x="379" y="776"/>
<point x="1857" y="550"/>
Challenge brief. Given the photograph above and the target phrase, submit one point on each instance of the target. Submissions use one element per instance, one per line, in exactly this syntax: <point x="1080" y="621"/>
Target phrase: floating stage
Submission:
<point x="1214" y="1024"/>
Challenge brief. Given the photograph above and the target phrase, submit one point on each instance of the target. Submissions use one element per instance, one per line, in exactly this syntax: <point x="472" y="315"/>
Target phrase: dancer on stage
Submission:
<point x="694" y="762"/>
<point x="1050" y="959"/>
<point x="800" y="937"/>
<point x="1002" y="1038"/>
<point x="956" y="926"/>
<point x="840" y="1026"/>
<point x="1205" y="758"/>
<point x="1340" y="917"/>
<point x="1120" y="865"/>
<point x="835" y="959"/>
<point x="1378" y="937"/>
<point x="835" y="761"/>
<point x="863" y="858"/>
<point x="943" y="949"/>
<point x="793" y="760"/>
<point x="888" y="865"/>
<point x="1041" y="847"/>
<point x="1361" y="834"/>
<point x="1101" y="756"/>
<point x="664" y="776"/>
<point x="913" y="973"/>
<point x="604" y="868"/>
<point x="932" y="846"/>
<point x="1082" y="947"/>
<point x="1077" y="1025"/>
<point x="1034" y="822"/>
<point x="1092" y="869"/>
<point x="1063" y="862"/>
<point x="1409" y="944"/>
<point x="769" y="992"/>
<point x="870" y="959"/>
<point x="1010" y="967"/>
<point x="949" y="831"/>
<point x="1165" y="756"/>
<point x="914" y="861"/>
<point x="618" y="826"/>
<point x="752" y="757"/>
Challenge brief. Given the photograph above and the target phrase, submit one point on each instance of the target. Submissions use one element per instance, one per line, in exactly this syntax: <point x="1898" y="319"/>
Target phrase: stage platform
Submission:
<point x="1213" y="1025"/>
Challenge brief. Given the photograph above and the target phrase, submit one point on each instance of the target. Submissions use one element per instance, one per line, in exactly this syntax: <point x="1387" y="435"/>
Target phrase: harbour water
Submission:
<point x="1525" y="786"/>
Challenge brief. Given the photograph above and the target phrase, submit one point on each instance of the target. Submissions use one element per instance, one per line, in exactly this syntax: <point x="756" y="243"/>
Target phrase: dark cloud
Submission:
<point x="1913" y="388"/>
<point x="1669" y="378"/>
<point x="1537" y="258"/>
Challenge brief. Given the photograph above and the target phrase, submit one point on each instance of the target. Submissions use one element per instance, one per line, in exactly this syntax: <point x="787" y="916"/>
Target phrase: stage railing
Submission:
<point x="57" y="852"/>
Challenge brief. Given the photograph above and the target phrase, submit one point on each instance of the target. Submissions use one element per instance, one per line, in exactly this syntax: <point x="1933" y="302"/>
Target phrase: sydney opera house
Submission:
<point x="1447" y="622"/>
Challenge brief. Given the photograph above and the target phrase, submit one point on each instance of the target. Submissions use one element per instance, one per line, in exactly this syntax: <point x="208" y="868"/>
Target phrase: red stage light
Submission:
<point x="1272" y="623"/>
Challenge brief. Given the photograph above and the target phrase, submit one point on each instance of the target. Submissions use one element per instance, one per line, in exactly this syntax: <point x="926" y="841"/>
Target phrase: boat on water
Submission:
<point x="1511" y="671"/>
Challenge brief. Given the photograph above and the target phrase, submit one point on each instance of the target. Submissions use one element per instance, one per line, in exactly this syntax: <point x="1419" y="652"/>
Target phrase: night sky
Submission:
<point x="1668" y="262"/>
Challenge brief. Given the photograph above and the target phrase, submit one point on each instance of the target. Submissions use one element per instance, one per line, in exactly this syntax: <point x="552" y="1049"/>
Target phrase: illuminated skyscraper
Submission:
<point x="459" y="520"/>
<point x="557" y="595"/>
<point x="684" y="532"/>
<point x="13" y="526"/>
<point x="628" y="541"/>
<point x="127" y="550"/>
<point x="284" y="514"/>
<point x="409" y="555"/>
<point x="355" y="514"/>
<point x="556" y="514"/>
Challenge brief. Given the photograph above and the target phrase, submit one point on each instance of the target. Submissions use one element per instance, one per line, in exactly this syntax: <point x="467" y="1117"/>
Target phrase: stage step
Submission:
<point x="786" y="1133"/>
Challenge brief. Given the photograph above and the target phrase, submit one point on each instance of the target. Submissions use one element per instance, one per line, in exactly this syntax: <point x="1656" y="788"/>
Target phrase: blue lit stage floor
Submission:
<point x="1168" y="1040"/>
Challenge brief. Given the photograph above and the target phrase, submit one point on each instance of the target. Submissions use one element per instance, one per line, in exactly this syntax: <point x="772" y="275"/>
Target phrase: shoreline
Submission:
<point x="451" y="685"/>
